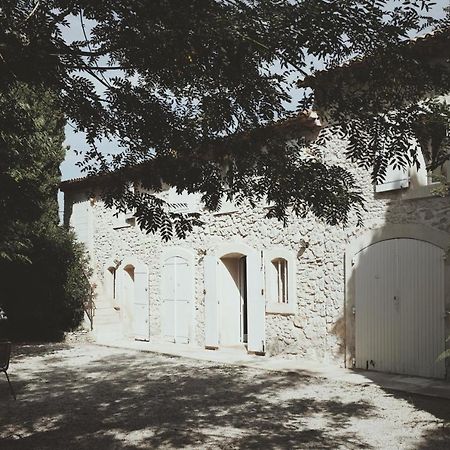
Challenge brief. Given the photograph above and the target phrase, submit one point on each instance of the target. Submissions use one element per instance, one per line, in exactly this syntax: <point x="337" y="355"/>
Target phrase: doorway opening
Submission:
<point x="233" y="306"/>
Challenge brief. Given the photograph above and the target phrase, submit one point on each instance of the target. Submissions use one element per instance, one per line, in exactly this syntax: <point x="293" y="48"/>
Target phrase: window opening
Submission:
<point x="281" y="268"/>
<point x="433" y="136"/>
<point x="243" y="291"/>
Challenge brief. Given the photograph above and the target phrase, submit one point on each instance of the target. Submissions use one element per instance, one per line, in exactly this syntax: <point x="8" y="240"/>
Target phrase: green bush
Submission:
<point x="43" y="297"/>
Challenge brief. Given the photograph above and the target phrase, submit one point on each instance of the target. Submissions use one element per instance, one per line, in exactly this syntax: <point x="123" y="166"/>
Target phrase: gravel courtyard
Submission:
<point x="88" y="397"/>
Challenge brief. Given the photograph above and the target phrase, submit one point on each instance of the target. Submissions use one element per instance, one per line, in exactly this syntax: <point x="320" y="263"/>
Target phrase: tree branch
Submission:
<point x="33" y="11"/>
<point x="99" y="68"/>
<point x="242" y="5"/>
<point x="89" y="45"/>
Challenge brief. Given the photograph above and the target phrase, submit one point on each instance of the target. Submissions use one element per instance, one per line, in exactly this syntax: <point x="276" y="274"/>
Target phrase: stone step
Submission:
<point x="106" y="321"/>
<point x="109" y="310"/>
<point x="107" y="316"/>
<point x="107" y="332"/>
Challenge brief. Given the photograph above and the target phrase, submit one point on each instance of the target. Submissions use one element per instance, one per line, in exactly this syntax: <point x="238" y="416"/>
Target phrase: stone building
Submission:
<point x="371" y="297"/>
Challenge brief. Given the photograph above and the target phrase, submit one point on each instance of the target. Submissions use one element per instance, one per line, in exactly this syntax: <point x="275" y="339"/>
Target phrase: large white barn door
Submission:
<point x="211" y="302"/>
<point x="399" y="299"/>
<point x="141" y="327"/>
<point x="176" y="297"/>
<point x="256" y="312"/>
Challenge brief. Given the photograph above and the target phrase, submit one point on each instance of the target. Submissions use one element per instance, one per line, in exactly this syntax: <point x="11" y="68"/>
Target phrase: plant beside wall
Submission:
<point x="41" y="265"/>
<point x="43" y="297"/>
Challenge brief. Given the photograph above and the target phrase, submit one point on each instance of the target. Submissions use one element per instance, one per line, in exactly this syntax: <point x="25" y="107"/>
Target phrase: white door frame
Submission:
<point x="238" y="248"/>
<point x="438" y="238"/>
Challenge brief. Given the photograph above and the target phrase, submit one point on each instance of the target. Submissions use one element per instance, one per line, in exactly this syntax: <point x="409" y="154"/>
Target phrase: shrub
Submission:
<point x="43" y="297"/>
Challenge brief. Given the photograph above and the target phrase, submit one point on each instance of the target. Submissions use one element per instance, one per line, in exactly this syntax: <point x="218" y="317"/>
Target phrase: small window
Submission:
<point x="424" y="177"/>
<point x="433" y="138"/>
<point x="281" y="268"/>
<point x="280" y="281"/>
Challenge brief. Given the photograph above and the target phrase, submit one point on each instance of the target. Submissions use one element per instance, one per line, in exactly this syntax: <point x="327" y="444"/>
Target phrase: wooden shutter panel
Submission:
<point x="397" y="178"/>
<point x="141" y="309"/>
<point x="168" y="300"/>
<point x="176" y="299"/>
<point x="256" y="303"/>
<point x="183" y="304"/>
<point x="211" y="302"/>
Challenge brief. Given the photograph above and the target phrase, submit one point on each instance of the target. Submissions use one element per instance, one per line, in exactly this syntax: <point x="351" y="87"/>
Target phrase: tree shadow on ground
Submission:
<point x="21" y="351"/>
<point x="436" y="439"/>
<point x="128" y="400"/>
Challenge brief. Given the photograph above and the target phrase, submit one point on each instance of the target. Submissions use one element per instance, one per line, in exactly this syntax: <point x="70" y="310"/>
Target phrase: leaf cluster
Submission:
<point x="170" y="79"/>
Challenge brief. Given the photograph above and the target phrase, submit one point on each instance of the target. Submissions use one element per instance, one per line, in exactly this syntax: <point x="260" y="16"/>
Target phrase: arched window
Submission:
<point x="280" y="281"/>
<point x="281" y="268"/>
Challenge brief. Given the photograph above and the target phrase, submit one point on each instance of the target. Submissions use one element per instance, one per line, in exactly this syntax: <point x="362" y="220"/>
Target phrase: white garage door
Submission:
<point x="399" y="307"/>
<point x="176" y="299"/>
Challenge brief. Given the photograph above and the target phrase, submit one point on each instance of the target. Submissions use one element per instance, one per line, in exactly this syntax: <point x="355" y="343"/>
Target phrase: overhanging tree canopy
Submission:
<point x="189" y="88"/>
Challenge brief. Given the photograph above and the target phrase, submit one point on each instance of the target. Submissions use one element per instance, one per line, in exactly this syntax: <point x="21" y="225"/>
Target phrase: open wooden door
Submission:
<point x="211" y="302"/>
<point x="256" y="307"/>
<point x="141" y="327"/>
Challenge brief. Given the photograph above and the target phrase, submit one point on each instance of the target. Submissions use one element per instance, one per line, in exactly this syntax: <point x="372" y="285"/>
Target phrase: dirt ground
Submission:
<point x="83" y="396"/>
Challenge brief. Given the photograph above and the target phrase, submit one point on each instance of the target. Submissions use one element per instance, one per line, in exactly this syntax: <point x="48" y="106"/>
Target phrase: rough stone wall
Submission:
<point x="317" y="329"/>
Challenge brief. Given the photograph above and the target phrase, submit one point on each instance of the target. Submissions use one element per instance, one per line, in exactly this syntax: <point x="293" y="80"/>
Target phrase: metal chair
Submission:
<point x="5" y="354"/>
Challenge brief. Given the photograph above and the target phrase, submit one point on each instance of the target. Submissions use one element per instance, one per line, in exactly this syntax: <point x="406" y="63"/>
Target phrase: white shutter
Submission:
<point x="123" y="220"/>
<point x="397" y="178"/>
<point x="400" y="304"/>
<point x="176" y="299"/>
<point x="141" y="311"/>
<point x="182" y="305"/>
<point x="184" y="202"/>
<point x="168" y="303"/>
<point x="211" y="302"/>
<point x="255" y="303"/>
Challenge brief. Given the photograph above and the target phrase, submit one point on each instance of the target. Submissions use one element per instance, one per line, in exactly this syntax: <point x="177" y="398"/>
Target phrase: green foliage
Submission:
<point x="41" y="266"/>
<point x="390" y="105"/>
<point x="31" y="136"/>
<point x="172" y="81"/>
<point x="43" y="297"/>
